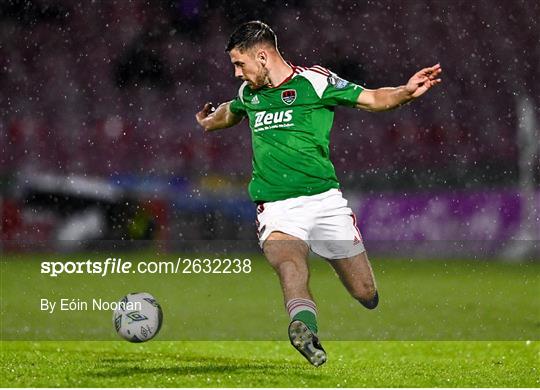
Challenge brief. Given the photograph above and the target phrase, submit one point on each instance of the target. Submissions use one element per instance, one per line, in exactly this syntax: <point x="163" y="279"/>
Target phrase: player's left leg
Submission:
<point x="336" y="237"/>
<point x="357" y="276"/>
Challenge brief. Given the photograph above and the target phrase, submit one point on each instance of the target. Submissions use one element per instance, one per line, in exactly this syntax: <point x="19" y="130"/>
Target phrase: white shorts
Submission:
<point x="323" y="221"/>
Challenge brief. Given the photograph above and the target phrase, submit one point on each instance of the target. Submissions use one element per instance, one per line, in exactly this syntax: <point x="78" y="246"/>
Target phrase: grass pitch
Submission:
<point x="420" y="300"/>
<point x="269" y="364"/>
<point x="434" y="302"/>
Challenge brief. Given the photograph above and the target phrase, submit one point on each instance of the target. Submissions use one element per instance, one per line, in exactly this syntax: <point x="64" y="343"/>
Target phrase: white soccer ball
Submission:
<point x="138" y="317"/>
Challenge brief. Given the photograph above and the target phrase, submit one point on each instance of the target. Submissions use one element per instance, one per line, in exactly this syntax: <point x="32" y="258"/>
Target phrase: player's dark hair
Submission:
<point x="250" y="34"/>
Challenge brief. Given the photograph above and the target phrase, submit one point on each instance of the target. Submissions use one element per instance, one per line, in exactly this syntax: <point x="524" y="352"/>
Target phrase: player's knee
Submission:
<point x="372" y="302"/>
<point x="369" y="299"/>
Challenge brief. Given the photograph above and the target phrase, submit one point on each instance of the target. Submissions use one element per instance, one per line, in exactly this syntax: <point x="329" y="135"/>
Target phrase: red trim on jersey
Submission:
<point x="288" y="77"/>
<point x="319" y="72"/>
<point x="320" y="69"/>
<point x="296" y="69"/>
<point x="299" y="69"/>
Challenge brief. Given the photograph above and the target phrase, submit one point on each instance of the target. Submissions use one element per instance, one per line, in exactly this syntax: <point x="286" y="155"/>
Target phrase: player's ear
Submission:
<point x="261" y="56"/>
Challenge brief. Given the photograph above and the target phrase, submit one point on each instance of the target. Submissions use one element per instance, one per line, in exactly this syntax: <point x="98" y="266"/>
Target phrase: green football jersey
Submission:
<point x="290" y="126"/>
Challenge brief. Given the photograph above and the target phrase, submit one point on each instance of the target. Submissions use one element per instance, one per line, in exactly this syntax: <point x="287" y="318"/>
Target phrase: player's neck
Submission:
<point x="279" y="73"/>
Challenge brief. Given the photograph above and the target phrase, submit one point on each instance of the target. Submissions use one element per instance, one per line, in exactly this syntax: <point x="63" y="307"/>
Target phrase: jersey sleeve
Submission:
<point x="237" y="105"/>
<point x="340" y="92"/>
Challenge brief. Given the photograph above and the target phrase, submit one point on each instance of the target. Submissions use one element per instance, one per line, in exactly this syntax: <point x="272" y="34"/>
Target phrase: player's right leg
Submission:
<point x="288" y="256"/>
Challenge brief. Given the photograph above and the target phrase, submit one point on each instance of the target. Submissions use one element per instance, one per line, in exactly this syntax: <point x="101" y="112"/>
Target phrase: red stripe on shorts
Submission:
<point x="356" y="227"/>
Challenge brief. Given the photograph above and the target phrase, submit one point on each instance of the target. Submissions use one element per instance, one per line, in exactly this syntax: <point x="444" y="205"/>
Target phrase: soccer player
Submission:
<point x="299" y="205"/>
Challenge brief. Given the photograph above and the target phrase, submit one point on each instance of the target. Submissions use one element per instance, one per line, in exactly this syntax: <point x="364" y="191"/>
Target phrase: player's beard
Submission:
<point x="261" y="79"/>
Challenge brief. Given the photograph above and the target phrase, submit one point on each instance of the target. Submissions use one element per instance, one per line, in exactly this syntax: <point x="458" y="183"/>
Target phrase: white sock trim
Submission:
<point x="296" y="305"/>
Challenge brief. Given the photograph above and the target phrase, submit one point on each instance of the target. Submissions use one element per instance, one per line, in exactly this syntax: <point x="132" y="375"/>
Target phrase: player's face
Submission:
<point x="249" y="67"/>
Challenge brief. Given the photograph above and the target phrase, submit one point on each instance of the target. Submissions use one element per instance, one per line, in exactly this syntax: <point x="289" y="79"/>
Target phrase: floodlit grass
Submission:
<point x="488" y="309"/>
<point x="419" y="300"/>
<point x="269" y="364"/>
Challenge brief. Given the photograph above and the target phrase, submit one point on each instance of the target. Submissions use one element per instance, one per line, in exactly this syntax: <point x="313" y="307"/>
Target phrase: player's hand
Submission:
<point x="204" y="113"/>
<point x="423" y="80"/>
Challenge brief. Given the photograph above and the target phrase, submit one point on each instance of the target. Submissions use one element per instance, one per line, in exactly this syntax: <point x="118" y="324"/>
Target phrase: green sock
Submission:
<point x="309" y="318"/>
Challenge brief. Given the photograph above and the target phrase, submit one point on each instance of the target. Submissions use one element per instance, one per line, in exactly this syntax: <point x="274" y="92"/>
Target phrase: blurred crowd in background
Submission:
<point x="109" y="90"/>
<point x="105" y="88"/>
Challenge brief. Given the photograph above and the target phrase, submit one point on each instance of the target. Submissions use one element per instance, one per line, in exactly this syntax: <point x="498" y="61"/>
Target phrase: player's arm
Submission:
<point x="387" y="98"/>
<point x="211" y="118"/>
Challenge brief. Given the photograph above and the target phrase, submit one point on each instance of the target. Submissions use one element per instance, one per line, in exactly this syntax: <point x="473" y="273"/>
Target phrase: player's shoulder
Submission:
<point x="241" y="90"/>
<point x="318" y="76"/>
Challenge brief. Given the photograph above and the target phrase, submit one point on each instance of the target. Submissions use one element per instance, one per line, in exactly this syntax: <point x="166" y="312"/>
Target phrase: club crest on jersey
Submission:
<point x="288" y="96"/>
